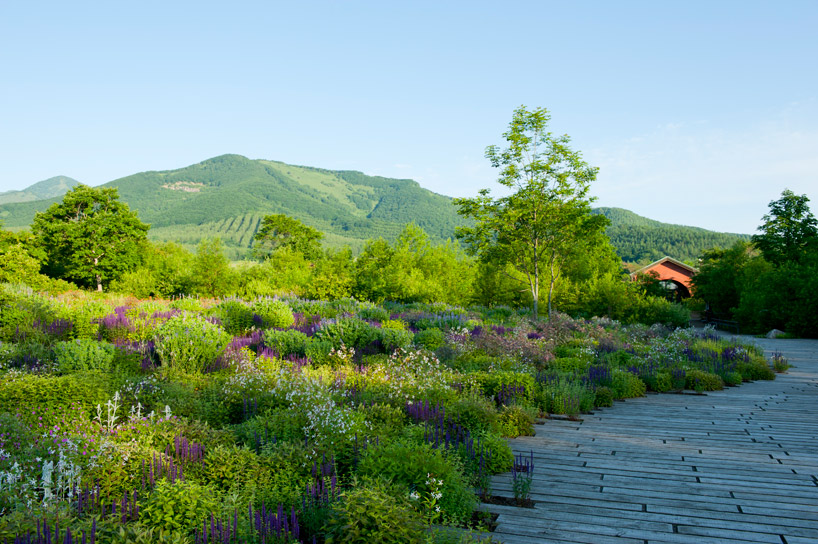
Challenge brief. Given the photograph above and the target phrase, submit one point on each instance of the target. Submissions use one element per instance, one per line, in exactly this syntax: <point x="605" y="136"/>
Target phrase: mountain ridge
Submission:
<point x="53" y="187"/>
<point x="228" y="195"/>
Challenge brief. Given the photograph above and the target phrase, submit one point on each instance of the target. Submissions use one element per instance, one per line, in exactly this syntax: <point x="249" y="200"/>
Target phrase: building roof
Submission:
<point x="680" y="264"/>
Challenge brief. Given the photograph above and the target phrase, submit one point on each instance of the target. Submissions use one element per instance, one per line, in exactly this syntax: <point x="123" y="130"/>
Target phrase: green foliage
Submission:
<point x="85" y="389"/>
<point x="517" y="421"/>
<point x="789" y="231"/>
<point x="279" y="231"/>
<point x="719" y="279"/>
<point x="83" y="354"/>
<point x="650" y="310"/>
<point x="603" y="397"/>
<point x="386" y="421"/>
<point x="641" y="240"/>
<point x="492" y="382"/>
<point x="287" y="342"/>
<point x="230" y="467"/>
<point x="138" y="533"/>
<point x="375" y="511"/>
<point x="700" y="380"/>
<point x="393" y="339"/>
<point x="211" y="274"/>
<point x="408" y="465"/>
<point x="661" y="382"/>
<point x="497" y="454"/>
<point x="90" y="238"/>
<point x="413" y="269"/>
<point x="187" y="344"/>
<point x="430" y="339"/>
<point x="549" y="215"/>
<point x="626" y="385"/>
<point x="273" y="313"/>
<point x="178" y="506"/>
<point x="755" y="370"/>
<point x="349" y="331"/>
<point x="373" y="313"/>
<point x="475" y="413"/>
<point x="235" y="315"/>
<point x="778" y="289"/>
<point x="565" y="397"/>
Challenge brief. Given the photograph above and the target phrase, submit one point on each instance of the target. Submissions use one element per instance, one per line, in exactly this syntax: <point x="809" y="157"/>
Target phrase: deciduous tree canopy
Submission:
<point x="539" y="225"/>
<point x="89" y="238"/>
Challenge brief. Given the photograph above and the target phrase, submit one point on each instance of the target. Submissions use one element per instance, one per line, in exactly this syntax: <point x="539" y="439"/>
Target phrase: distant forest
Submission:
<point x="641" y="240"/>
<point x="226" y="197"/>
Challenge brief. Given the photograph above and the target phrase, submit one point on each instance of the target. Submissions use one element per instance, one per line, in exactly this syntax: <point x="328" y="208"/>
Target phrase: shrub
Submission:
<point x="660" y="382"/>
<point x="273" y="313"/>
<point x="430" y="339"/>
<point x="350" y="332"/>
<point x="474" y="413"/>
<point x="651" y="309"/>
<point x="603" y="397"/>
<point x="287" y="342"/>
<point x="627" y="385"/>
<point x="408" y="465"/>
<point x="188" y="344"/>
<point x="566" y="397"/>
<point x="755" y="370"/>
<point x="375" y="511"/>
<point x="235" y="316"/>
<point x="732" y="378"/>
<point x="393" y="339"/>
<point x="384" y="420"/>
<point x="700" y="380"/>
<point x="373" y="313"/>
<point x="86" y="389"/>
<point x="516" y="421"/>
<point x="83" y="354"/>
<point x="230" y="467"/>
<point x="318" y="350"/>
<point x="497" y="454"/>
<point x="178" y="506"/>
<point x="493" y="382"/>
<point x="397" y="324"/>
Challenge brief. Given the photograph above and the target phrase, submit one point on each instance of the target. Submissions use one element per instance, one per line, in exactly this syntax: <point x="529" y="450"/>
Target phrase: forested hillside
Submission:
<point x="226" y="196"/>
<point x="49" y="188"/>
<point x="638" y="239"/>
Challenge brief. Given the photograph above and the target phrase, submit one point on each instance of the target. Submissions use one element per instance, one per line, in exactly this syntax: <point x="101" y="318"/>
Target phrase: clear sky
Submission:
<point x="697" y="113"/>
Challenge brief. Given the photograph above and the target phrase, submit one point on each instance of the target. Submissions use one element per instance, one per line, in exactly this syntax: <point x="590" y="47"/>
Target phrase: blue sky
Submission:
<point x="697" y="113"/>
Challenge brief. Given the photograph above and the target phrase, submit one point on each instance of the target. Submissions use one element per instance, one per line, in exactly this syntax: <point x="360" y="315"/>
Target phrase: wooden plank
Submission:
<point x="739" y="465"/>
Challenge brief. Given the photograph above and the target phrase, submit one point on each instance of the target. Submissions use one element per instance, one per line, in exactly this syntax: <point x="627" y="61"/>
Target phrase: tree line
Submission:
<point x="770" y="282"/>
<point x="539" y="246"/>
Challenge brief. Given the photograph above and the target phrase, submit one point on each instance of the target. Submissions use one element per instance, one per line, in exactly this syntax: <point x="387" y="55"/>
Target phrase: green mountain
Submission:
<point x="638" y="239"/>
<point x="228" y="195"/>
<point x="50" y="188"/>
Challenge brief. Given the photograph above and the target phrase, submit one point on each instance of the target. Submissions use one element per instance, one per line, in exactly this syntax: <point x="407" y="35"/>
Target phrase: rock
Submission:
<point x="775" y="333"/>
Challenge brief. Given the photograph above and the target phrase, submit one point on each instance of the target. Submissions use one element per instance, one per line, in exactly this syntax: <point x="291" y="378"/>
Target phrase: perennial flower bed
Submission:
<point x="288" y="420"/>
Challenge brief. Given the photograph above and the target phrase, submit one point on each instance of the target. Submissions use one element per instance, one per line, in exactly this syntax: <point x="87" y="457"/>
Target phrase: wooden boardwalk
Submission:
<point x="739" y="465"/>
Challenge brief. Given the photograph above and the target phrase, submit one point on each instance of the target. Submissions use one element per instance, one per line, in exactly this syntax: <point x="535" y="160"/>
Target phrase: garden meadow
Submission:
<point x="283" y="420"/>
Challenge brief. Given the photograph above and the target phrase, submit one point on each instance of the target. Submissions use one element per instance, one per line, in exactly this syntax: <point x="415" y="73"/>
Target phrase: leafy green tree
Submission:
<point x="280" y="231"/>
<point x="720" y="278"/>
<point x="89" y="238"/>
<point x="211" y="274"/>
<point x="789" y="231"/>
<point x="413" y="270"/>
<point x="540" y="224"/>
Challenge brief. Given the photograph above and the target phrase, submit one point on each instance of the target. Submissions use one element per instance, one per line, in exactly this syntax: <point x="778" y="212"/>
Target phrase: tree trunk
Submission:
<point x="99" y="284"/>
<point x="551" y="287"/>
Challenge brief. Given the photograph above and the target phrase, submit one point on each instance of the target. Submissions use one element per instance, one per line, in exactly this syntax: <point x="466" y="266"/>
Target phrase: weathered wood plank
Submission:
<point x="739" y="465"/>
